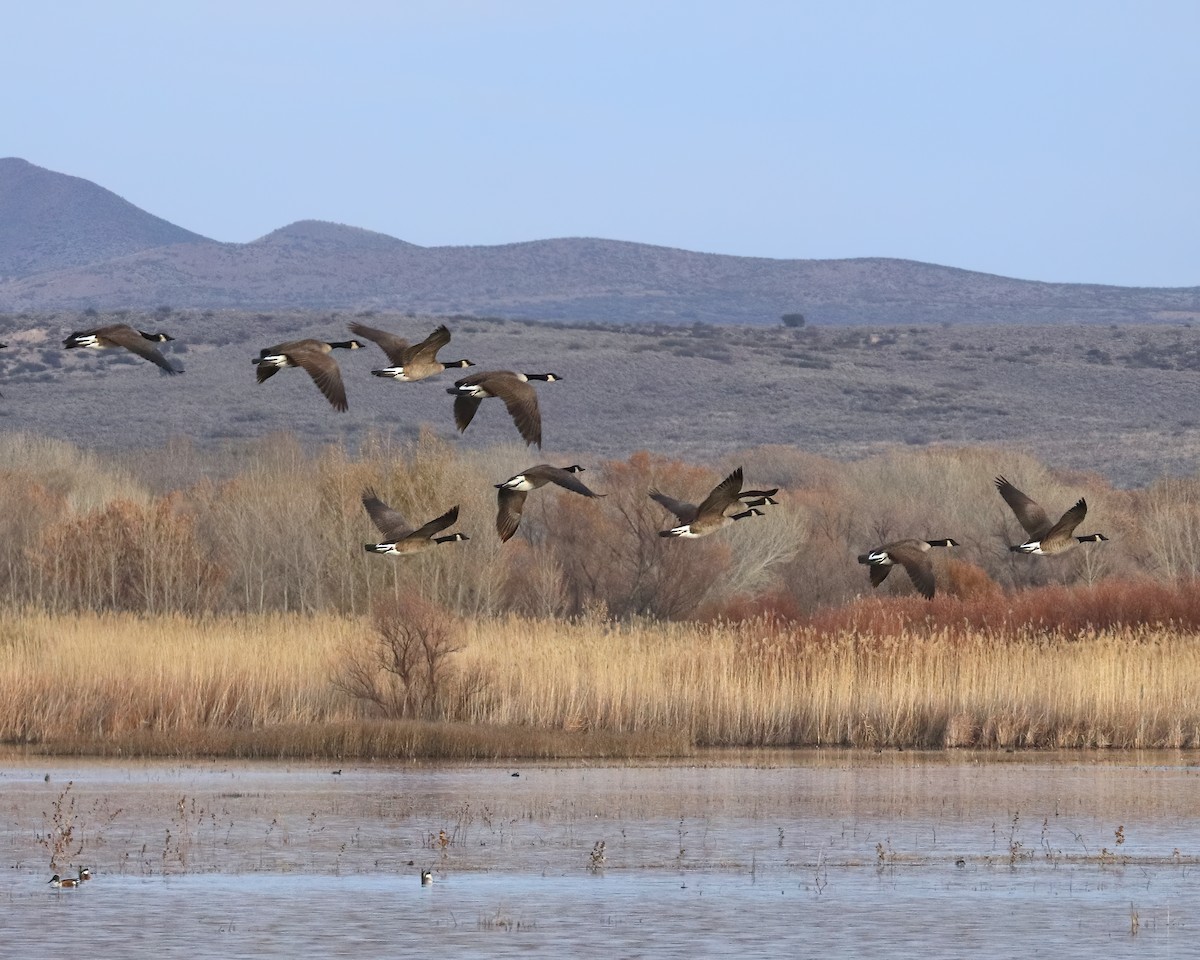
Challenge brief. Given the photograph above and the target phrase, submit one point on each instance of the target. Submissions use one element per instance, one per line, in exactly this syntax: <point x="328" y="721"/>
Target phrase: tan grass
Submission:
<point x="261" y="686"/>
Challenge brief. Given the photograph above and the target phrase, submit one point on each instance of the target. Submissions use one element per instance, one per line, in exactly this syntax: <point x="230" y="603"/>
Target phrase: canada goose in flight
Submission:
<point x="512" y="388"/>
<point x="401" y="539"/>
<point x="686" y="512"/>
<point x="710" y="516"/>
<point x="913" y="555"/>
<point x="410" y="363"/>
<point x="126" y="337"/>
<point x="1045" y="538"/>
<point x="510" y="500"/>
<point x="313" y="356"/>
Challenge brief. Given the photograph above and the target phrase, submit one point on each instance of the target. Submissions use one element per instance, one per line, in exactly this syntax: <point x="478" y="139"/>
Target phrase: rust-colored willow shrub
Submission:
<point x="128" y="556"/>
<point x="1053" y="610"/>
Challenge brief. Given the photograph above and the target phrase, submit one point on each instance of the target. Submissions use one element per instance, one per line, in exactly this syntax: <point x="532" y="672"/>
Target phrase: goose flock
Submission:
<point x="726" y="503"/>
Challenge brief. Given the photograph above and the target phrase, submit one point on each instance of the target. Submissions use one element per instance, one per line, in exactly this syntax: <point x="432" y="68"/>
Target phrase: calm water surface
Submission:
<point x="801" y="855"/>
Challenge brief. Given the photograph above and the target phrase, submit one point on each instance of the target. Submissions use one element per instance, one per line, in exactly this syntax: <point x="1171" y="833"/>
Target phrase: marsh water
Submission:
<point x="811" y="854"/>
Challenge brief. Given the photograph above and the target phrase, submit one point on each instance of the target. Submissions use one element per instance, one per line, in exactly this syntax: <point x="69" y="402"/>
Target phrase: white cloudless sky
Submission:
<point x="1044" y="140"/>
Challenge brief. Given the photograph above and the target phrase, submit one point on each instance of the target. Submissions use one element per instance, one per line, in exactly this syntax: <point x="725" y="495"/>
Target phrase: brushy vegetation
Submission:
<point x="239" y="614"/>
<point x="278" y="527"/>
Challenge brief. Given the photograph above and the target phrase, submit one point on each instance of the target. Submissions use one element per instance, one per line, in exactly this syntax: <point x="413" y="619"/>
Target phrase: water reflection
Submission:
<point x="825" y="855"/>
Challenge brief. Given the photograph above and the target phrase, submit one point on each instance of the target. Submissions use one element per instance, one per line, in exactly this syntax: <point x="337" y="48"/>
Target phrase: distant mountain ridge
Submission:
<point x="68" y="244"/>
<point x="50" y="221"/>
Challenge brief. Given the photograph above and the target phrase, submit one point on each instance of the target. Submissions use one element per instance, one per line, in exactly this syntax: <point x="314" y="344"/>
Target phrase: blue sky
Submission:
<point x="1042" y="140"/>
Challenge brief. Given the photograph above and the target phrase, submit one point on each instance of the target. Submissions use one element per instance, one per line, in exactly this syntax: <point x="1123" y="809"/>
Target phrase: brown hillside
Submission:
<point x="50" y="221"/>
<point x="1117" y="401"/>
<point x="92" y="249"/>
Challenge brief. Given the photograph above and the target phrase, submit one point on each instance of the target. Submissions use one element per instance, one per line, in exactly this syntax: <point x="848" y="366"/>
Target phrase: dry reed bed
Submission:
<point x="263" y="686"/>
<point x="751" y="685"/>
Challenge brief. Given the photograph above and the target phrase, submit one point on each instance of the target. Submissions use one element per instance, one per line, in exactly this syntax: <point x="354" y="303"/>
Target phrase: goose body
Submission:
<point x="1045" y="538"/>
<point x="510" y="500"/>
<point x="401" y="540"/>
<point x="124" y="337"/>
<point x="686" y="512"/>
<point x="712" y="513"/>
<point x="426" y="878"/>
<point x="913" y="555"/>
<point x="410" y="362"/>
<point x="513" y="388"/>
<point x="313" y="356"/>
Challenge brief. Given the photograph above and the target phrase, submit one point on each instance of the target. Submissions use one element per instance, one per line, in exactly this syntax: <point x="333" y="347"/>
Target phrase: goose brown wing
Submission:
<point x="125" y="336"/>
<point x="464" y="410"/>
<point x="476" y="378"/>
<point x="326" y="374"/>
<point x="1028" y="512"/>
<point x="395" y="347"/>
<point x="723" y="495"/>
<point x="522" y="403"/>
<point x="568" y="481"/>
<point x="391" y="523"/>
<point x="685" y="512"/>
<point x="879" y="573"/>
<point x="918" y="565"/>
<point x="1066" y="525"/>
<point x="151" y="353"/>
<point x="117" y="334"/>
<point x="288" y="347"/>
<point x="426" y="350"/>
<point x="435" y="525"/>
<point x="509" y="504"/>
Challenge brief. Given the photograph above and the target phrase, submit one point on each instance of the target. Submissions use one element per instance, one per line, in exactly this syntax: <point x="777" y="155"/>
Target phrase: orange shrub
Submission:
<point x="1057" y="609"/>
<point x="126" y="556"/>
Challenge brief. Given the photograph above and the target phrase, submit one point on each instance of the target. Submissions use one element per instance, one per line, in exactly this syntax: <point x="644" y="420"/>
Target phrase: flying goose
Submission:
<point x="410" y="363"/>
<point x="512" y="388"/>
<point x="1045" y="538"/>
<point x="124" y="336"/>
<point x="910" y="554"/>
<point x="510" y="501"/>
<point x="686" y="512"/>
<point x="401" y="539"/>
<point x="710" y="516"/>
<point x="313" y="356"/>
